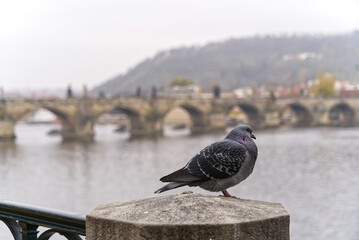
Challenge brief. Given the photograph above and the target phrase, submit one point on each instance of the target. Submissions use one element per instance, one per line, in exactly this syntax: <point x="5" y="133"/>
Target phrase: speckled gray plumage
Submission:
<point x="220" y="165"/>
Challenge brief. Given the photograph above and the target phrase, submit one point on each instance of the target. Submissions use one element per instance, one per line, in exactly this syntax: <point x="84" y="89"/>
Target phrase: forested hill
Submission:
<point x="252" y="61"/>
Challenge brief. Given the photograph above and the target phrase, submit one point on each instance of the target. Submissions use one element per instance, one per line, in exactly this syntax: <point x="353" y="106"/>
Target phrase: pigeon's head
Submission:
<point x="241" y="133"/>
<point x="244" y="134"/>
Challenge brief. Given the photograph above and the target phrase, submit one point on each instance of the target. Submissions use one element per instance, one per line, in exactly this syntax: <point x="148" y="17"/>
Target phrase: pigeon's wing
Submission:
<point x="218" y="160"/>
<point x="182" y="175"/>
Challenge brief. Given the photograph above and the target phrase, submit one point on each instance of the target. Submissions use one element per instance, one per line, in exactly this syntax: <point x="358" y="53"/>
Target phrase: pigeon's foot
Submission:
<point x="226" y="194"/>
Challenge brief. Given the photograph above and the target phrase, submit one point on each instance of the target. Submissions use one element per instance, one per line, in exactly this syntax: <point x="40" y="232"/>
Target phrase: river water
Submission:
<point x="313" y="172"/>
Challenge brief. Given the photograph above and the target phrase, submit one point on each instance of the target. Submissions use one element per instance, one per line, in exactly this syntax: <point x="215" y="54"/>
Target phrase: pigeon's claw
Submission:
<point x="226" y="194"/>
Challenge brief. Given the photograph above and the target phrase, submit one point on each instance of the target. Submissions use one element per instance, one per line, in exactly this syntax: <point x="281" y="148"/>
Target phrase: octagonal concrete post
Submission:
<point x="188" y="216"/>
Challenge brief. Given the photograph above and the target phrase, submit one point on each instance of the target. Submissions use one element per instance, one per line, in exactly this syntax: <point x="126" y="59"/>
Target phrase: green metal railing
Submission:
<point x="24" y="220"/>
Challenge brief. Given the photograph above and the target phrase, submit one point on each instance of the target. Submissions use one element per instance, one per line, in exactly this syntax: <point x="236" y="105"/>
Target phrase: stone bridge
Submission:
<point x="78" y="116"/>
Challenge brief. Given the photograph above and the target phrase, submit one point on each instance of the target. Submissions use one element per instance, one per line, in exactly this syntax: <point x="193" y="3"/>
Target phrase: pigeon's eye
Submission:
<point x="248" y="130"/>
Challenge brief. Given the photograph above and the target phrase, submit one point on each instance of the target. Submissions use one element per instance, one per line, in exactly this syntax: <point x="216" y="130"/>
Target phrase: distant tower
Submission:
<point x="2" y="104"/>
<point x="85" y="92"/>
<point x="69" y="92"/>
<point x="1" y="93"/>
<point x="216" y="91"/>
<point x="101" y="94"/>
<point x="138" y="91"/>
<point x="154" y="92"/>
<point x="273" y="98"/>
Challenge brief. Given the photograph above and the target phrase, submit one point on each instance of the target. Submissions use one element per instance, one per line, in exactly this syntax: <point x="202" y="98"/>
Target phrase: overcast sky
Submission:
<point x="50" y="44"/>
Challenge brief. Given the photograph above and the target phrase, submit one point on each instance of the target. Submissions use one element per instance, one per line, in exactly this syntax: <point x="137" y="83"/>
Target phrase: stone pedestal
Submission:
<point x="189" y="216"/>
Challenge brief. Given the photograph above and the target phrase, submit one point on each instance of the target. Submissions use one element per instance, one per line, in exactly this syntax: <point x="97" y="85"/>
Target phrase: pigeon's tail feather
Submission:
<point x="181" y="175"/>
<point x="170" y="186"/>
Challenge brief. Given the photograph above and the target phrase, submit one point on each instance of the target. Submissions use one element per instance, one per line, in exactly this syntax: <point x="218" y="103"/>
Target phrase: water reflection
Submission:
<point x="7" y="150"/>
<point x="312" y="172"/>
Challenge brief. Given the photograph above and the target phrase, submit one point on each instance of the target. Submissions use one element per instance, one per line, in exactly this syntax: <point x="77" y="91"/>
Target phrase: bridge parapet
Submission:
<point x="78" y="116"/>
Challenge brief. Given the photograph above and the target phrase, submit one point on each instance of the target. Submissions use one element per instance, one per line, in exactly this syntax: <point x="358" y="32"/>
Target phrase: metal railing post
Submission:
<point x="28" y="231"/>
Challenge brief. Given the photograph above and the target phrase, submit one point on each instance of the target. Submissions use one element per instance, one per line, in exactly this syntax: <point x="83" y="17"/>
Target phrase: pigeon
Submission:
<point x="219" y="166"/>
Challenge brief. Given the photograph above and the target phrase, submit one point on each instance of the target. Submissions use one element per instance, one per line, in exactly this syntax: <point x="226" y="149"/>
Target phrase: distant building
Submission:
<point x="303" y="56"/>
<point x="243" y="92"/>
<point x="300" y="90"/>
<point x="180" y="91"/>
<point x="347" y="89"/>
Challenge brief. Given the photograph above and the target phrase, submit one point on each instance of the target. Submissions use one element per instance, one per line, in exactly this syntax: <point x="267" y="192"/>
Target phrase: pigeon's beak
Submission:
<point x="252" y="136"/>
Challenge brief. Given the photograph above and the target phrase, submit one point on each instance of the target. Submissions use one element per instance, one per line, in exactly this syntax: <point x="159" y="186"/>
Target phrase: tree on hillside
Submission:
<point x="273" y="60"/>
<point x="178" y="81"/>
<point x="324" y="85"/>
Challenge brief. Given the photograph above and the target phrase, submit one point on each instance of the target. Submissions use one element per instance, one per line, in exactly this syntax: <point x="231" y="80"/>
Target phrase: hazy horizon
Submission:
<point x="49" y="45"/>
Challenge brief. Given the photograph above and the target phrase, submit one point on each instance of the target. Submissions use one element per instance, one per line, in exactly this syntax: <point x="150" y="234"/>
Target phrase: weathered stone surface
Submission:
<point x="189" y="216"/>
<point x="6" y="130"/>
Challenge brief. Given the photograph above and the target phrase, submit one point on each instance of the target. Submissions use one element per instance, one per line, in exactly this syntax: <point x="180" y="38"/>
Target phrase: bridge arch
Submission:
<point x="197" y="117"/>
<point x="244" y="113"/>
<point x="296" y="114"/>
<point x="341" y="114"/>
<point x="63" y="117"/>
<point x="134" y="117"/>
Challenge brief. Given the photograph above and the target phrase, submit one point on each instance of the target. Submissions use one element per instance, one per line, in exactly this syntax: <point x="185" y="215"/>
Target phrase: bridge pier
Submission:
<point x="7" y="130"/>
<point x="217" y="122"/>
<point x="80" y="125"/>
<point x="142" y="133"/>
<point x="146" y="129"/>
<point x="81" y="129"/>
<point x="272" y="119"/>
<point x="198" y="130"/>
<point x="77" y="136"/>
